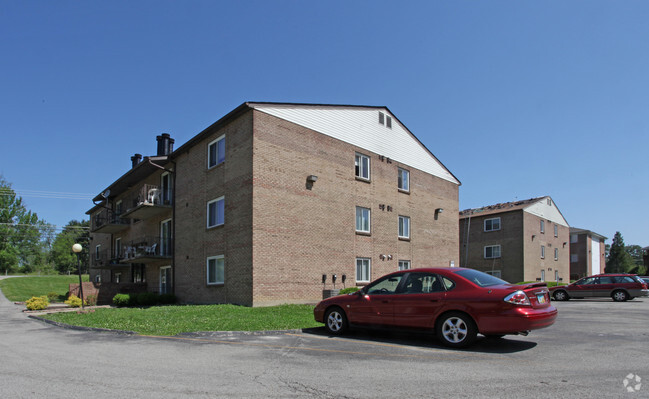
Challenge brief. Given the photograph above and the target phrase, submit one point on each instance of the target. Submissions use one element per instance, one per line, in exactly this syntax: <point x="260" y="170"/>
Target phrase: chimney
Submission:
<point x="135" y="159"/>
<point x="165" y="144"/>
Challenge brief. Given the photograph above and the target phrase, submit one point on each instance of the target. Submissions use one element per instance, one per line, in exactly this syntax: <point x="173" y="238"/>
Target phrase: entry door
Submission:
<point x="165" y="280"/>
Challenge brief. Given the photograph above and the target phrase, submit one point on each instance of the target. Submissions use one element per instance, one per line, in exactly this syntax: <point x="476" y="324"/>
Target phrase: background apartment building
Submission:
<point x="587" y="253"/>
<point x="267" y="201"/>
<point x="517" y="241"/>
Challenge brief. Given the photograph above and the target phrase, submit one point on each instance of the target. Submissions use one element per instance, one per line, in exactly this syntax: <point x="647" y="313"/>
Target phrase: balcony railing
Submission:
<point x="147" y="201"/>
<point x="106" y="221"/>
<point x="146" y="249"/>
<point x="104" y="259"/>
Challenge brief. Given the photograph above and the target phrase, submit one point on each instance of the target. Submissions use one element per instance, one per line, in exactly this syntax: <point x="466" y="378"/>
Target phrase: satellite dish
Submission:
<point x="106" y="193"/>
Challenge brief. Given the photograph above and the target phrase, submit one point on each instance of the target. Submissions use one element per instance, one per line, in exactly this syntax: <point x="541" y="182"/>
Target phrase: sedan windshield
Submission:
<point x="479" y="278"/>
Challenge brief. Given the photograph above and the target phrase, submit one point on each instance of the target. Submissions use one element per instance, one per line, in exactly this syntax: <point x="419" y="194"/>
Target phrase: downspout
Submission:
<point x="173" y="229"/>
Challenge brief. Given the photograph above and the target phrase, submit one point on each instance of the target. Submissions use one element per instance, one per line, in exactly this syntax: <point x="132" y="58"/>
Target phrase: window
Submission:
<point x="404" y="264"/>
<point x="216" y="270"/>
<point x="384" y="286"/>
<point x="363" y="266"/>
<point x="542" y="251"/>
<point x="165" y="240"/>
<point x="556" y="275"/>
<point x="362" y="163"/>
<point x="404" y="227"/>
<point x="492" y="252"/>
<point x="542" y="226"/>
<point x="118" y="248"/>
<point x="422" y="283"/>
<point x="556" y="254"/>
<point x="492" y="224"/>
<point x="216" y="152"/>
<point x="381" y="118"/>
<point x="118" y="208"/>
<point x="216" y="212"/>
<point x="138" y="273"/>
<point x="98" y="278"/>
<point x="574" y="258"/>
<point x="117" y="278"/>
<point x="574" y="238"/>
<point x="542" y="275"/>
<point x="495" y="273"/>
<point x="97" y="250"/>
<point x="165" y="187"/>
<point x="404" y="180"/>
<point x="362" y="220"/>
<point x="556" y="230"/>
<point x="388" y="122"/>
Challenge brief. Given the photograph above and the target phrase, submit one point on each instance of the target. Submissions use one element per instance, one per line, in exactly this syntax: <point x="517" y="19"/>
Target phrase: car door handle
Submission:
<point x="434" y="300"/>
<point x="385" y="301"/>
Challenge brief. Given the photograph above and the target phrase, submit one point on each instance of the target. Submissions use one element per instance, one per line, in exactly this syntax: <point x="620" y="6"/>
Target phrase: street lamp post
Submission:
<point x="76" y="248"/>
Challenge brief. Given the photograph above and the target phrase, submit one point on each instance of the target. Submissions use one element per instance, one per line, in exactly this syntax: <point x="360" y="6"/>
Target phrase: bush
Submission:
<point x="348" y="290"/>
<point x="37" y="303"/>
<point x="122" y="300"/>
<point x="147" y="299"/>
<point x="73" y="301"/>
<point x="91" y="300"/>
<point x="52" y="296"/>
<point x="167" y="299"/>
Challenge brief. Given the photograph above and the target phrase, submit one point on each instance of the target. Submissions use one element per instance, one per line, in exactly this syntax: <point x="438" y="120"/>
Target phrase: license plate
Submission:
<point x="540" y="298"/>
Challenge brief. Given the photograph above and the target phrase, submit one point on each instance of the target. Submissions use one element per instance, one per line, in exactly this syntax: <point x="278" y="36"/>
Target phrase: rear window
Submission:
<point x="624" y="279"/>
<point x="479" y="278"/>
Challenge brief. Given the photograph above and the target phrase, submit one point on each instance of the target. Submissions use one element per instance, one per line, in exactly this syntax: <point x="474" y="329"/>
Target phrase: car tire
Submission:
<point x="619" y="296"/>
<point x="560" y="295"/>
<point x="335" y="321"/>
<point x="456" y="330"/>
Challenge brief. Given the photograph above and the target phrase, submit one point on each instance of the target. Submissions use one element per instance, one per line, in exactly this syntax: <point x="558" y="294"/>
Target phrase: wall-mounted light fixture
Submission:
<point x="310" y="179"/>
<point x="437" y="212"/>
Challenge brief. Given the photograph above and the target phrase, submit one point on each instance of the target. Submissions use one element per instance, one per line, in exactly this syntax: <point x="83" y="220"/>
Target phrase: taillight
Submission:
<point x="518" y="298"/>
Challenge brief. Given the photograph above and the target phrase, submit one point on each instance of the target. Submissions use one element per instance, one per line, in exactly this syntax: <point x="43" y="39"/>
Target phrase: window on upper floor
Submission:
<point x="556" y="254"/>
<point x="556" y="230"/>
<point x="542" y="251"/>
<point x="404" y="227"/>
<point x="385" y="120"/>
<point x="574" y="258"/>
<point x="216" y="270"/>
<point x="216" y="212"/>
<point x="492" y="224"/>
<point x="362" y="166"/>
<point x="492" y="251"/>
<point x="216" y="152"/>
<point x="403" y="180"/>
<point x="363" y="216"/>
<point x="404" y="264"/>
<point x="574" y="238"/>
<point x="542" y="226"/>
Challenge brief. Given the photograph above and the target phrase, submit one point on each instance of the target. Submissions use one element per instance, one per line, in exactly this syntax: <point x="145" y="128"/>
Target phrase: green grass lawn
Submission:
<point x="172" y="320"/>
<point x="20" y="289"/>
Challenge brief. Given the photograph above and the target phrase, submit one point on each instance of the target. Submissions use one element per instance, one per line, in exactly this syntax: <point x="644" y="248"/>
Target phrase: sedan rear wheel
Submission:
<point x="560" y="295"/>
<point x="619" y="296"/>
<point x="456" y="330"/>
<point x="335" y="321"/>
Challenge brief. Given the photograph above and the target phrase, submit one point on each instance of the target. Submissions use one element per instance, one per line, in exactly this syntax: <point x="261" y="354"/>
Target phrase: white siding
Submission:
<point x="360" y="126"/>
<point x="547" y="212"/>
<point x="594" y="256"/>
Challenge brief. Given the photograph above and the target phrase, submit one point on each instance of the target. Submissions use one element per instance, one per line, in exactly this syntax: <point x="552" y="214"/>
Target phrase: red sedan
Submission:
<point x="456" y="303"/>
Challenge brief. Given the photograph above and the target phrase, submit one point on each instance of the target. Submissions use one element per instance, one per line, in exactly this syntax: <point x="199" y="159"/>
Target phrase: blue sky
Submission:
<point x="518" y="99"/>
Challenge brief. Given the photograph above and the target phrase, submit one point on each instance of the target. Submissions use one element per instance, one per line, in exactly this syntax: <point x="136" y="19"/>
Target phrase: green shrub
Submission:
<point x="37" y="303"/>
<point x="91" y="300"/>
<point x="147" y="299"/>
<point x="167" y="299"/>
<point x="122" y="300"/>
<point x="73" y="301"/>
<point x="52" y="296"/>
<point x="348" y="290"/>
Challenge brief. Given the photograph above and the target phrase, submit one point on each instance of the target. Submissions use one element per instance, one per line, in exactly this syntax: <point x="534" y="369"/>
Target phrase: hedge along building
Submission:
<point x="270" y="202"/>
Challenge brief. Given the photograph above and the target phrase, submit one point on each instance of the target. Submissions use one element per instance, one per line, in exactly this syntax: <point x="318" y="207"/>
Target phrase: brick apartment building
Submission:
<point x="517" y="241"/>
<point x="587" y="253"/>
<point x="262" y="205"/>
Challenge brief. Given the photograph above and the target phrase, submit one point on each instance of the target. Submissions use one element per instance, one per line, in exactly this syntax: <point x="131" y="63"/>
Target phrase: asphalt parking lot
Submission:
<point x="592" y="349"/>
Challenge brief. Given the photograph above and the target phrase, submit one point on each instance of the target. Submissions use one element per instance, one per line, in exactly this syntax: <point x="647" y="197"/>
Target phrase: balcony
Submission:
<point x="104" y="260"/>
<point x="147" y="250"/>
<point x="146" y="202"/>
<point x="106" y="221"/>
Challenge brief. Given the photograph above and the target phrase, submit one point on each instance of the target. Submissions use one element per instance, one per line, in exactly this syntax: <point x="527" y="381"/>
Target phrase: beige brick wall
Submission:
<point x="534" y="239"/>
<point x="301" y="233"/>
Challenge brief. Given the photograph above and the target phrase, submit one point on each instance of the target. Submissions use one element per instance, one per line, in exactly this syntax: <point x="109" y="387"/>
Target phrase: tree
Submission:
<point x="61" y="255"/>
<point x="618" y="260"/>
<point x="21" y="247"/>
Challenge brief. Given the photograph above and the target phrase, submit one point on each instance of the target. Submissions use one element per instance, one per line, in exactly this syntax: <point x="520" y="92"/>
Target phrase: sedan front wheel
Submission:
<point x="456" y="330"/>
<point x="335" y="321"/>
